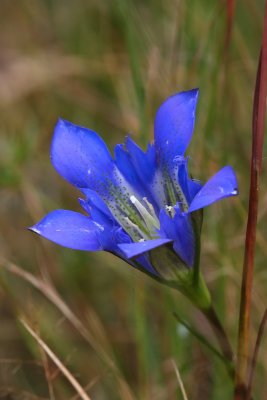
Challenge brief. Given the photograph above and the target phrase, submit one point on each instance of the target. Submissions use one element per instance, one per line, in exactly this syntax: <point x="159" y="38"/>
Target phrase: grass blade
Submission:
<point x="179" y="379"/>
<point x="200" y="337"/>
<point x="75" y="384"/>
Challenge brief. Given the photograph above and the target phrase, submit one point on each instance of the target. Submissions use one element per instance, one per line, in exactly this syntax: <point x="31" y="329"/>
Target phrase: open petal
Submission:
<point x="97" y="215"/>
<point x="70" y="229"/>
<point x="189" y="186"/>
<point x="131" y="250"/>
<point x="80" y="155"/>
<point x="194" y="187"/>
<point x="110" y="237"/>
<point x="174" y="124"/>
<point x="126" y="167"/>
<point x="179" y="228"/>
<point x="143" y="162"/>
<point x="221" y="185"/>
<point x="93" y="201"/>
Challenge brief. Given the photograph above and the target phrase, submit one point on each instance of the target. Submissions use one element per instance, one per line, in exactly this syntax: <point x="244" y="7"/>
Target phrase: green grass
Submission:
<point x="108" y="65"/>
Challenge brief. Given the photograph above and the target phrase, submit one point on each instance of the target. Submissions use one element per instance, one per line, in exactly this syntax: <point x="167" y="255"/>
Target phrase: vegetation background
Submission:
<point x="108" y="65"/>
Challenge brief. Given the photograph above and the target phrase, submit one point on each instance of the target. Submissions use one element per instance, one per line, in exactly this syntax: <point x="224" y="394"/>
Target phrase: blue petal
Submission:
<point x="125" y="166"/>
<point x="97" y="215"/>
<point x="144" y="162"/>
<point x="80" y="155"/>
<point x="108" y="239"/>
<point x="112" y="238"/>
<point x="189" y="186"/>
<point x="70" y="229"/>
<point x="180" y="230"/>
<point x="174" y="124"/>
<point x="111" y="232"/>
<point x="223" y="184"/>
<point x="194" y="187"/>
<point x="135" y="249"/>
<point x="93" y="201"/>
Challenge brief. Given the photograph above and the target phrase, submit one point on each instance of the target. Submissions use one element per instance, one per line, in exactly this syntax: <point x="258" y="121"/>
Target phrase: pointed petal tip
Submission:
<point x="61" y="122"/>
<point x="185" y="96"/>
<point x="69" y="229"/>
<point x="174" y="124"/>
<point x="189" y="95"/>
<point x="193" y="93"/>
<point x="221" y="185"/>
<point x="63" y="125"/>
<point x="235" y="192"/>
<point x="79" y="155"/>
<point x="34" y="229"/>
<point x="192" y="98"/>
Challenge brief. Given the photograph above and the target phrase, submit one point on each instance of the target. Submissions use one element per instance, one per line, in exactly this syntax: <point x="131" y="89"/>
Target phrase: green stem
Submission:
<point x="221" y="336"/>
<point x="197" y="252"/>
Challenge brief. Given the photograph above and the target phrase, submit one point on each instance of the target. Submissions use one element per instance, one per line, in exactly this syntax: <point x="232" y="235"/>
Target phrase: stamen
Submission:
<point x="134" y="230"/>
<point x="150" y="207"/>
<point x="170" y="210"/>
<point x="150" y="221"/>
<point x="136" y="216"/>
<point x="173" y="188"/>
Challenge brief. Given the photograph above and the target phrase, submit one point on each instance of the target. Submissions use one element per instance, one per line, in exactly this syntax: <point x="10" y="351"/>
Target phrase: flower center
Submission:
<point x="136" y="215"/>
<point x="148" y="216"/>
<point x="140" y="220"/>
<point x="173" y="191"/>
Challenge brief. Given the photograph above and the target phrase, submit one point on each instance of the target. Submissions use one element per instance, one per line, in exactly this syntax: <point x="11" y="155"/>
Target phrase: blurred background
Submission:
<point x="108" y="65"/>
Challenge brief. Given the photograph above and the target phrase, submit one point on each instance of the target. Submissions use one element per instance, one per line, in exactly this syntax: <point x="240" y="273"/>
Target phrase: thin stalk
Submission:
<point x="200" y="337"/>
<point x="259" y="110"/>
<point x="221" y="336"/>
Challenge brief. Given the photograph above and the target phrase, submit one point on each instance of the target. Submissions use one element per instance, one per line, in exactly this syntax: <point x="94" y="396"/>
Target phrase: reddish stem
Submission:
<point x="259" y="109"/>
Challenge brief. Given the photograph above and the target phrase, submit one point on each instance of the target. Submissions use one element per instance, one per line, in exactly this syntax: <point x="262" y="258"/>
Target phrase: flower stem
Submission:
<point x="259" y="111"/>
<point x="197" y="253"/>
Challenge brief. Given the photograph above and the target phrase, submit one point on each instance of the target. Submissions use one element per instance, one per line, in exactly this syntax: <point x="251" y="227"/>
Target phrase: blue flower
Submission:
<point x="141" y="206"/>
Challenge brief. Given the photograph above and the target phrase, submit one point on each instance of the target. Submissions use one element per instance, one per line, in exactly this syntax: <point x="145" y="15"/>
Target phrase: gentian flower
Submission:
<point x="144" y="207"/>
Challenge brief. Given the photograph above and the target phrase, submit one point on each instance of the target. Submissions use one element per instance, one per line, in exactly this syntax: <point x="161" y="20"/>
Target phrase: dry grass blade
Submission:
<point x="179" y="379"/>
<point x="88" y="387"/>
<point x="50" y="293"/>
<point x="48" y="376"/>
<point x="259" y="110"/>
<point x="75" y="384"/>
